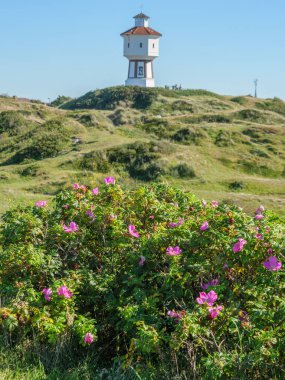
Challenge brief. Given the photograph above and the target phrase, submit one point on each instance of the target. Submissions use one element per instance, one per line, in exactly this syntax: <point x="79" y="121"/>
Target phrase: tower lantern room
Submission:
<point x="141" y="47"/>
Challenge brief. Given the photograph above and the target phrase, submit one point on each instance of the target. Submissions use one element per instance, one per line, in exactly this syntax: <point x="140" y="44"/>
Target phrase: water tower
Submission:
<point x="141" y="47"/>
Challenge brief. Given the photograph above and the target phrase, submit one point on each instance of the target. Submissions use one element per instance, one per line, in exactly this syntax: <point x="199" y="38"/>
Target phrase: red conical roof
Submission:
<point x="141" y="31"/>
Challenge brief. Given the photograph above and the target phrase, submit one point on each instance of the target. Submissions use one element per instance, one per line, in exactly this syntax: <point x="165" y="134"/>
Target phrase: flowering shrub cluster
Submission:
<point x="150" y="275"/>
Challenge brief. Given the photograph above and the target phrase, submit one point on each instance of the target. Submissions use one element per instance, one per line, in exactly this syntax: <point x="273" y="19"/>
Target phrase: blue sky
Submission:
<point x="68" y="47"/>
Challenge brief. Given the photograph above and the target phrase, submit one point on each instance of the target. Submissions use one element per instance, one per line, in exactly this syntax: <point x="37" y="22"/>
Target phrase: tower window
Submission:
<point x="153" y="45"/>
<point x="128" y="45"/>
<point x="141" y="44"/>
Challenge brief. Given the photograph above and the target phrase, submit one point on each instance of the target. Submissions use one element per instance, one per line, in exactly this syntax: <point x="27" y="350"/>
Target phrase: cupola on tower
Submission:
<point x="141" y="47"/>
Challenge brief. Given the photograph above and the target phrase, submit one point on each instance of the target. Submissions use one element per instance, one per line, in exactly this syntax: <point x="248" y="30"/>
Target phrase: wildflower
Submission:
<point x="204" y="203"/>
<point x="209" y="298"/>
<point x="41" y="203"/>
<point x="95" y="191"/>
<point x="173" y="251"/>
<point x="259" y="217"/>
<point x="66" y="206"/>
<point x="215" y="204"/>
<point x="260" y="209"/>
<point x="133" y="231"/>
<point x="272" y="264"/>
<point x="90" y="214"/>
<point x="210" y="283"/>
<point x="142" y="261"/>
<point x="88" y="339"/>
<point x="73" y="227"/>
<point x="47" y="292"/>
<point x="64" y="292"/>
<point x="151" y="217"/>
<point x="109" y="181"/>
<point x="76" y="186"/>
<point x="204" y="226"/>
<point x="214" y="311"/>
<point x="174" y="225"/>
<point x="176" y="315"/>
<point x="270" y="251"/>
<point x="239" y="245"/>
<point x="259" y="236"/>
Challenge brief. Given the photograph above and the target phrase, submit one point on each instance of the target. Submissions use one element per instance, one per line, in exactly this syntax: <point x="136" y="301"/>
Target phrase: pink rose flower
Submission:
<point x="95" y="191"/>
<point x="142" y="261"/>
<point x="239" y="245"/>
<point x="209" y="298"/>
<point x="176" y="315"/>
<point x="174" y="225"/>
<point x="270" y="251"/>
<point x="260" y="209"/>
<point x="259" y="217"/>
<point x="47" y="292"/>
<point x="90" y="214"/>
<point x="173" y="251"/>
<point x="214" y="311"/>
<point x="215" y="204"/>
<point x="64" y="292"/>
<point x="133" y="231"/>
<point x="204" y="226"/>
<point x="73" y="227"/>
<point x="109" y="180"/>
<point x="41" y="203"/>
<point x="272" y="264"/>
<point x="259" y="236"/>
<point x="88" y="339"/>
<point x="210" y="283"/>
<point x="76" y="186"/>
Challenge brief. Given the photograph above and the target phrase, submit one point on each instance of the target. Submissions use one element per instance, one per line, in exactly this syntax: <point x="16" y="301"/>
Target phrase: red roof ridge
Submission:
<point x="141" y="30"/>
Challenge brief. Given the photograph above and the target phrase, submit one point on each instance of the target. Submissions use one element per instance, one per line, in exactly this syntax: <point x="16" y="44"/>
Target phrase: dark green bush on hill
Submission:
<point x="189" y="136"/>
<point x="138" y="159"/>
<point x="182" y="171"/>
<point x="60" y="100"/>
<point x="109" y="98"/>
<point x="276" y="105"/>
<point x="12" y="122"/>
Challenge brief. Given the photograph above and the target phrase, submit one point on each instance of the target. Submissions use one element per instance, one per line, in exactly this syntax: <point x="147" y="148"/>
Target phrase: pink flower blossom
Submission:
<point x="174" y="225"/>
<point x="142" y="261"/>
<point x="259" y="217"/>
<point x="41" y="203"/>
<point x="239" y="245"/>
<point x="76" y="186"/>
<point x="215" y="204"/>
<point x="66" y="206"/>
<point x="173" y="251"/>
<point x="204" y="203"/>
<point x="270" y="251"/>
<point x="64" y="292"/>
<point x="210" y="283"/>
<point x="73" y="227"/>
<point x="90" y="214"/>
<point x="204" y="226"/>
<point x="209" y="298"/>
<point x="259" y="236"/>
<point x="176" y="315"/>
<point x="47" y="292"/>
<point x="151" y="217"/>
<point x="95" y="191"/>
<point x="133" y="231"/>
<point x="214" y="311"/>
<point x="272" y="264"/>
<point x="260" y="209"/>
<point x="88" y="339"/>
<point x="109" y="180"/>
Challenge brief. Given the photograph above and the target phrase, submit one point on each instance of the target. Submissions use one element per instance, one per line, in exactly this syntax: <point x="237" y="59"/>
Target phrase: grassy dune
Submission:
<point x="220" y="147"/>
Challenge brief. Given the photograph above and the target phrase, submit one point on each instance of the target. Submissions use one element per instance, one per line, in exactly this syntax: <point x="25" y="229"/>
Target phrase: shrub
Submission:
<point x="12" y="122"/>
<point x="109" y="98"/>
<point x="188" y="136"/>
<point x="129" y="268"/>
<point x="60" y="100"/>
<point x="236" y="185"/>
<point x="276" y="105"/>
<point x="182" y="171"/>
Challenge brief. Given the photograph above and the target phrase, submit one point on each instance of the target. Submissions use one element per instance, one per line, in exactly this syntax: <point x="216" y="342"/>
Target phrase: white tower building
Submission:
<point x="141" y="47"/>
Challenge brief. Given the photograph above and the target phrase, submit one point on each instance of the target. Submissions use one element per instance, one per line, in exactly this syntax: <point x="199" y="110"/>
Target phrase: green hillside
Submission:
<point x="219" y="147"/>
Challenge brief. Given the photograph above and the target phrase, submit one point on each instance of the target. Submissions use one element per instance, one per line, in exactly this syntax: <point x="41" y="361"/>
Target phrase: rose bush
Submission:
<point x="149" y="276"/>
